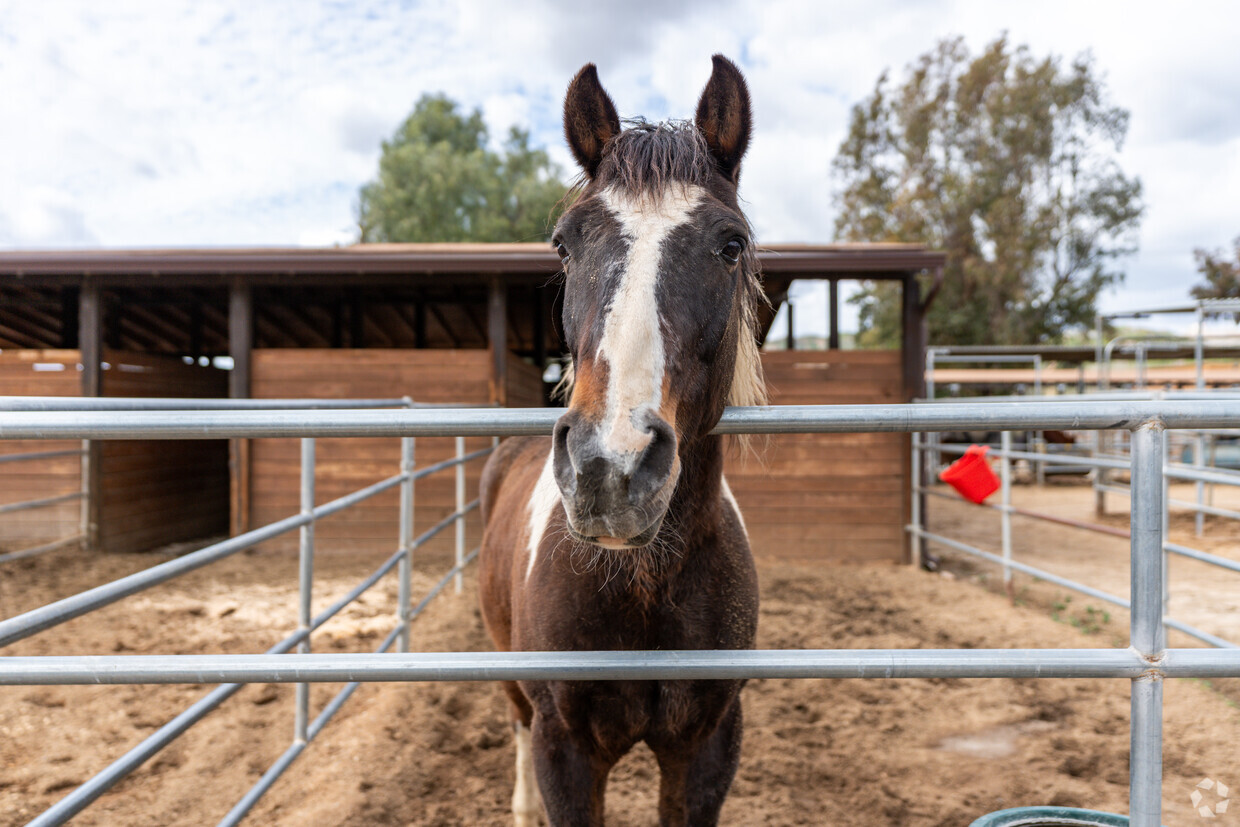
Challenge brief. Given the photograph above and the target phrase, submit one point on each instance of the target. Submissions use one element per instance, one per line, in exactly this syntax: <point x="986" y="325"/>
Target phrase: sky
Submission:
<point x="179" y="123"/>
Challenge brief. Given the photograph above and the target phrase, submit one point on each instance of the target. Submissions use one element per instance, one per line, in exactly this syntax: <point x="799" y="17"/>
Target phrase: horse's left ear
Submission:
<point x="724" y="118"/>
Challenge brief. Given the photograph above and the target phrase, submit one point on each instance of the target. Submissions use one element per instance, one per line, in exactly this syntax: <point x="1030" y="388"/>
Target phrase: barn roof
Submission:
<point x="477" y="260"/>
<point x="366" y="295"/>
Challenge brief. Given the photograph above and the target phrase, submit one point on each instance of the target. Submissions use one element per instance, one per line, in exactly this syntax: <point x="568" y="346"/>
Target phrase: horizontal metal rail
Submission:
<point x="1203" y="508"/>
<point x="525" y="421"/>
<point x="619" y="665"/>
<point x="26" y="505"/>
<point x="1093" y="396"/>
<point x="142" y="403"/>
<point x="295" y="749"/>
<point x="36" y="620"/>
<point x="268" y="779"/>
<point x="1033" y="515"/>
<point x="1042" y="574"/>
<point x="81" y="797"/>
<point x="63" y="542"/>
<point x="30" y="455"/>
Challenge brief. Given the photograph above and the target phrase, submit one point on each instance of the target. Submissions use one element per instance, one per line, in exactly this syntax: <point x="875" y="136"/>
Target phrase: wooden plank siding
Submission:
<point x="153" y="492"/>
<point x="827" y="497"/>
<point x="345" y="465"/>
<point x="39" y="373"/>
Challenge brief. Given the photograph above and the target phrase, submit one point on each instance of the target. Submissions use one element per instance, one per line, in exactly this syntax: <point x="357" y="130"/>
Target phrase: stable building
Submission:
<point x="458" y="324"/>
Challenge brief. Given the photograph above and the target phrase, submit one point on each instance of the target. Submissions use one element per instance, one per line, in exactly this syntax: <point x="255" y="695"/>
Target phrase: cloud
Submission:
<point x="239" y="122"/>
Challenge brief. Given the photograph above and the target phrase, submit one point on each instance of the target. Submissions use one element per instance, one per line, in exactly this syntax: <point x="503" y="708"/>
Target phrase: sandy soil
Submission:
<point x="876" y="752"/>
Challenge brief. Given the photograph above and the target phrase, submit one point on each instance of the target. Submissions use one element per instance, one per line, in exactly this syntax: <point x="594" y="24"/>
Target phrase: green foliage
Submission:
<point x="1222" y="276"/>
<point x="438" y="181"/>
<point x="1007" y="164"/>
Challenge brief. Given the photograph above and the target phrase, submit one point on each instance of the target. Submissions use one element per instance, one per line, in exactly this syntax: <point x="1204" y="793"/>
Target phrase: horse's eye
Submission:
<point x="562" y="252"/>
<point x="731" y="252"/>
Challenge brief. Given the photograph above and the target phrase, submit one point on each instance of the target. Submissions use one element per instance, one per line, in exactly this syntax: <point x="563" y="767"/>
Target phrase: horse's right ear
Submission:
<point x="590" y="119"/>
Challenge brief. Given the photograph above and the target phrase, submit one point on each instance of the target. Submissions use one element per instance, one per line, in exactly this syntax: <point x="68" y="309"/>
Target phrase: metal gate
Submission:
<point x="1145" y="663"/>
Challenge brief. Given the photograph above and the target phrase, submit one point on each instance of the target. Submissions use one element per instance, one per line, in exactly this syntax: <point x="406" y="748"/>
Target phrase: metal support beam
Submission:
<point x="1148" y="634"/>
<point x="305" y="583"/>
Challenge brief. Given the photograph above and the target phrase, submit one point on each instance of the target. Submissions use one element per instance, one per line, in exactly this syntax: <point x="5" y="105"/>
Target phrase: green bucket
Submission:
<point x="1050" y="817"/>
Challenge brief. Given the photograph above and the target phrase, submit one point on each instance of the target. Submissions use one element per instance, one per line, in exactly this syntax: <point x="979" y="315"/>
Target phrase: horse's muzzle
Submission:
<point x="617" y="500"/>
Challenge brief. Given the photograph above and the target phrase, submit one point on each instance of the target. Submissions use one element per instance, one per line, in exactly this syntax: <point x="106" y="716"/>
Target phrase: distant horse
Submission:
<point x="619" y="532"/>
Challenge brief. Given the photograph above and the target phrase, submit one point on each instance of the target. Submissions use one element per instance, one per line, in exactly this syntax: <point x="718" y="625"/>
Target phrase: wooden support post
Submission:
<point x="791" y="344"/>
<point x="240" y="346"/>
<point x="913" y="351"/>
<point x="833" y="302"/>
<point x="90" y="344"/>
<point x="913" y="340"/>
<point x="497" y="340"/>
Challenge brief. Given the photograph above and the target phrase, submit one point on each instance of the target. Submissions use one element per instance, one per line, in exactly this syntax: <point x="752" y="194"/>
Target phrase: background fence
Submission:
<point x="1145" y="663"/>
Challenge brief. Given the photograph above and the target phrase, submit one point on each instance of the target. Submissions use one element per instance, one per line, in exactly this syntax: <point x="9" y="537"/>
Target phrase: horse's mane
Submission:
<point x="647" y="158"/>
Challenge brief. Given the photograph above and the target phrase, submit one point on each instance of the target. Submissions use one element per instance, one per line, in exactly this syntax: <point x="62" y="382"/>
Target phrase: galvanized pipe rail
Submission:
<point x="1145" y="664"/>
<point x="42" y="502"/>
<point x="304" y="729"/>
<point x="784" y="419"/>
<point x="1006" y="510"/>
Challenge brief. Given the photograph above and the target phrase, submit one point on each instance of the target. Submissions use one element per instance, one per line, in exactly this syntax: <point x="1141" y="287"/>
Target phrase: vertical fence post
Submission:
<point x="915" y="542"/>
<point x="459" y="580"/>
<point x="305" y="580"/>
<point x="1199" y="462"/>
<point x="1005" y="511"/>
<point x="1166" y="528"/>
<point x="406" y="542"/>
<point x="1148" y="634"/>
<point x="87" y="493"/>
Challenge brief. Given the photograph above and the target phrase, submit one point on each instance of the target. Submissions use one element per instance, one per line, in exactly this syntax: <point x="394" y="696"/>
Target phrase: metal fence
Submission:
<point x="1098" y="464"/>
<point x="42" y="502"/>
<point x="1146" y="663"/>
<point x="304" y="729"/>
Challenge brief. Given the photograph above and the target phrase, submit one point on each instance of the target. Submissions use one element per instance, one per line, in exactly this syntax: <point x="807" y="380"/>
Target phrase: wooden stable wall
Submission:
<point x="39" y="373"/>
<point x="827" y="497"/>
<point x="345" y="465"/>
<point x="152" y="492"/>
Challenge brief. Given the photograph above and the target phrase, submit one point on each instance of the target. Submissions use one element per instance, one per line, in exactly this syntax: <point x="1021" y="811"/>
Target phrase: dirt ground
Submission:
<point x="845" y="752"/>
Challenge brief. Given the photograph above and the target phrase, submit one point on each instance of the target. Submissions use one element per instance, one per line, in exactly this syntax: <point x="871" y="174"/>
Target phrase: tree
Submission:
<point x="1222" y="276"/>
<point x="1006" y="163"/>
<point x="438" y="181"/>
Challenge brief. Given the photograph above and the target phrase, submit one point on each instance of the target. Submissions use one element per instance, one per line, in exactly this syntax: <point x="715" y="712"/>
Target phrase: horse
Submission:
<point x="619" y="532"/>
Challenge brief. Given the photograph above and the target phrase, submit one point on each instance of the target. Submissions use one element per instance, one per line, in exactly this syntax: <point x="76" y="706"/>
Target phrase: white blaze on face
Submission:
<point x="543" y="501"/>
<point x="632" y="342"/>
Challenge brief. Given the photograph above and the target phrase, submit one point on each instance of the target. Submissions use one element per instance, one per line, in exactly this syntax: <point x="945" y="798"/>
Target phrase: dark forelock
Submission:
<point x="646" y="157"/>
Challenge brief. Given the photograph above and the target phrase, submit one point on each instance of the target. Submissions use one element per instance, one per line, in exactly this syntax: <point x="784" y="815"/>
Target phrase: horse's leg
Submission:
<point x="692" y="785"/>
<point x="573" y="781"/>
<point x="526" y="801"/>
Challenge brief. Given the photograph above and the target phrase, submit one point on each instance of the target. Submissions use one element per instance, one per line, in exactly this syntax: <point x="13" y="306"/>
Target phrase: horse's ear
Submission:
<point x="590" y="119"/>
<point x="723" y="116"/>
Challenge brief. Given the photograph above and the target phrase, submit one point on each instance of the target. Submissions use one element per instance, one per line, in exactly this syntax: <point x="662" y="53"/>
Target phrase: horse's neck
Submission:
<point x="697" y="491"/>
